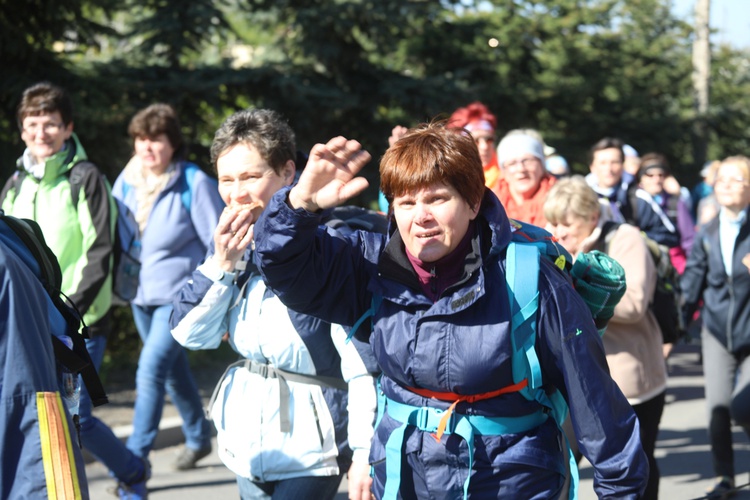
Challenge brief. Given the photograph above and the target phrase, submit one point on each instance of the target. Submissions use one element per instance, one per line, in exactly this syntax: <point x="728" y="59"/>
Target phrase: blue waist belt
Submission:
<point x="427" y="419"/>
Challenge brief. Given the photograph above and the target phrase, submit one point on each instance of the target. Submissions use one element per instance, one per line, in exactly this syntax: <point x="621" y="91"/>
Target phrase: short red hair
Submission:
<point x="429" y="154"/>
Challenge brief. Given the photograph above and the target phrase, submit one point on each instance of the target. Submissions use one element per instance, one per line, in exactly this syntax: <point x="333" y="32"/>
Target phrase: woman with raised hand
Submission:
<point x="453" y="423"/>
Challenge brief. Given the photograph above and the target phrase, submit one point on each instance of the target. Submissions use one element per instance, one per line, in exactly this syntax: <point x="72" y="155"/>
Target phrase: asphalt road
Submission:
<point x="210" y="480"/>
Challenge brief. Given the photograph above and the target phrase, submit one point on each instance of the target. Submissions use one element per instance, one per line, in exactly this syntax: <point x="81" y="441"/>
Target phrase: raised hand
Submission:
<point x="329" y="178"/>
<point x="397" y="133"/>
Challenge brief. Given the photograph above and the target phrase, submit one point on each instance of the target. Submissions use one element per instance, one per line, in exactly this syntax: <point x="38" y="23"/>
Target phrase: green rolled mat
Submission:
<point x="600" y="281"/>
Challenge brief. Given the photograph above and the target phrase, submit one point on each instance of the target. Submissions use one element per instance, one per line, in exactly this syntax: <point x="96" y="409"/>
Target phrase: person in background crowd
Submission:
<point x="606" y="177"/>
<point x="177" y="207"/>
<point x="79" y="228"/>
<point x="440" y="330"/>
<point x="630" y="164"/>
<point x="481" y="124"/>
<point x="253" y="152"/>
<point x="525" y="181"/>
<point x="557" y="166"/>
<point x="704" y="201"/>
<point x="718" y="271"/>
<point x="632" y="340"/>
<point x="664" y="217"/>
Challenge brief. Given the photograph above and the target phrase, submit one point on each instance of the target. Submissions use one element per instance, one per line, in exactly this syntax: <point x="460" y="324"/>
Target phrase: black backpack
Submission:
<point x="665" y="303"/>
<point x="77" y="359"/>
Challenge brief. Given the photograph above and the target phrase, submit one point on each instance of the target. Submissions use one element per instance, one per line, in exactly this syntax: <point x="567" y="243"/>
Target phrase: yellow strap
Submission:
<point x="57" y="449"/>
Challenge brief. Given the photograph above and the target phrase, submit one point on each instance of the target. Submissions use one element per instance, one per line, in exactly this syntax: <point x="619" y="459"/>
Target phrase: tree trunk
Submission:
<point x="701" y="76"/>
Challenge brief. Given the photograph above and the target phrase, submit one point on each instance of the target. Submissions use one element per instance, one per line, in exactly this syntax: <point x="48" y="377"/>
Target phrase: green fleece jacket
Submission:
<point x="80" y="236"/>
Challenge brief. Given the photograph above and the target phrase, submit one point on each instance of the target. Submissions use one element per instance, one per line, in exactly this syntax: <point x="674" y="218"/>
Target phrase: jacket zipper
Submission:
<point x="317" y="421"/>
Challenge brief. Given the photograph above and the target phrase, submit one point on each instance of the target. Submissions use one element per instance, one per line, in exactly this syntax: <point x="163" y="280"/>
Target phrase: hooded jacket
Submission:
<point x="460" y="343"/>
<point x="81" y="237"/>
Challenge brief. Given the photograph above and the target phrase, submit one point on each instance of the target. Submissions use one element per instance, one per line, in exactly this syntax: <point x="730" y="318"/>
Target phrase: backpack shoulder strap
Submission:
<point x="609" y="229"/>
<point x="76" y="176"/>
<point x="186" y="195"/>
<point x="522" y="261"/>
<point x="14" y="183"/>
<point x="377" y="299"/>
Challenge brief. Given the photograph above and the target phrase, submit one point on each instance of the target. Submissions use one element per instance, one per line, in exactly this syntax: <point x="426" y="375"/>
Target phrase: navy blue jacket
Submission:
<point x="726" y="299"/>
<point x="33" y="413"/>
<point x="460" y="344"/>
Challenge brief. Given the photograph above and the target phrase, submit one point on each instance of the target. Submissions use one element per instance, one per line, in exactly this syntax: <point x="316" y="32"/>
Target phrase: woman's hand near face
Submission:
<point x="329" y="177"/>
<point x="233" y="234"/>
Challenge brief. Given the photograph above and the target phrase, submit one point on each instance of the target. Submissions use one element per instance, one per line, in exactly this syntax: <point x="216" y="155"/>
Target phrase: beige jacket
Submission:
<point x="633" y="341"/>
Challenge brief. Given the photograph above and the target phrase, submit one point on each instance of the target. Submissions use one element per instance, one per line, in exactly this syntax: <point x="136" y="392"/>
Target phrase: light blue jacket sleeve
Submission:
<point x="201" y="313"/>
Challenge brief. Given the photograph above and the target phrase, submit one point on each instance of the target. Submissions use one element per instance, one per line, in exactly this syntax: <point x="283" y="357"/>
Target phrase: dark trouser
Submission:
<point x="649" y="416"/>
<point x="727" y="397"/>
<point x="296" y="488"/>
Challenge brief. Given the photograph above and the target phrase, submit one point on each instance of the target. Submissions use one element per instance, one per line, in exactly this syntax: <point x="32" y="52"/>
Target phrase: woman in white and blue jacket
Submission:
<point x="454" y="423"/>
<point x="281" y="414"/>
<point x="176" y="207"/>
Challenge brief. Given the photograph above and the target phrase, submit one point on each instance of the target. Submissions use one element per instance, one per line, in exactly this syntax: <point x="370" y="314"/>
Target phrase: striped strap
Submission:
<point x="57" y="449"/>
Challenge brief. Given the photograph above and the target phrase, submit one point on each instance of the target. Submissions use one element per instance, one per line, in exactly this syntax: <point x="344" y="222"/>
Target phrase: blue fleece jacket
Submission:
<point x="174" y="241"/>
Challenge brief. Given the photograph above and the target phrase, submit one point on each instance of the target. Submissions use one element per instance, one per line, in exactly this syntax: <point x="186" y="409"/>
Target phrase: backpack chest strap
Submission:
<point x="429" y="419"/>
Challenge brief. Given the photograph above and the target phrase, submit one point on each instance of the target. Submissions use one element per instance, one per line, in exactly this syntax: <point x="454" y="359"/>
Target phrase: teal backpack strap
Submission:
<point x="189" y="172"/>
<point x="125" y="190"/>
<point x="377" y="299"/>
<point x="524" y="302"/>
<point x="522" y="262"/>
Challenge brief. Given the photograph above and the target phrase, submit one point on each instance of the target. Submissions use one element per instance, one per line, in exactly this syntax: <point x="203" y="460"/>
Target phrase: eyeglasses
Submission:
<point x="48" y="128"/>
<point x="735" y="182"/>
<point x="525" y="163"/>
